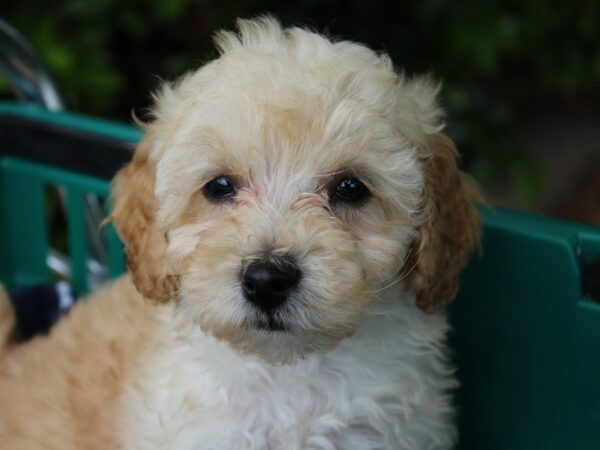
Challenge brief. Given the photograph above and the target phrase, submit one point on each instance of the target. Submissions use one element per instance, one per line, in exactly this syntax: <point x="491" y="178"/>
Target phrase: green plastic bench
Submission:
<point x="526" y="338"/>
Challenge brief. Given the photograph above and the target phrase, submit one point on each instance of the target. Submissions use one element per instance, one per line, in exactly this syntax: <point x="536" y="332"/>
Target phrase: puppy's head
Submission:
<point x="281" y="186"/>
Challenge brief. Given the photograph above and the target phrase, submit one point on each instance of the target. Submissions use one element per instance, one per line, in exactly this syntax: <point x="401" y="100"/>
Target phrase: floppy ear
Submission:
<point x="7" y="320"/>
<point x="451" y="229"/>
<point x="134" y="211"/>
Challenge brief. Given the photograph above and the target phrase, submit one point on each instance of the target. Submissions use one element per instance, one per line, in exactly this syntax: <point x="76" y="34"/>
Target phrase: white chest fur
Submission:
<point x="386" y="387"/>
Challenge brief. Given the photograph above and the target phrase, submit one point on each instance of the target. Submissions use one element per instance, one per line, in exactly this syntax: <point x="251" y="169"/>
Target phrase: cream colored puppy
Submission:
<point x="296" y="216"/>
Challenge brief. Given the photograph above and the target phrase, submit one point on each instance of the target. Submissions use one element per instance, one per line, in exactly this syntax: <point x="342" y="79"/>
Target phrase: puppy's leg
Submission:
<point x="7" y="320"/>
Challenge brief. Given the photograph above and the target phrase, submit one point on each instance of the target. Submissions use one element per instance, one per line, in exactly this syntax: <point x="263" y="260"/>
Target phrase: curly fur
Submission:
<point x="284" y="113"/>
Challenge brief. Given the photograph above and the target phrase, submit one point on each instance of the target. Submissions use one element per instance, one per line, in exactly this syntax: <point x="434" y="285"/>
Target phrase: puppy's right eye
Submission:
<point x="220" y="188"/>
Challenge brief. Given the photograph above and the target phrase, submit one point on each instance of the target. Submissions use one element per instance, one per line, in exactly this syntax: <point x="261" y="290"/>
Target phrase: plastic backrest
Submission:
<point x="33" y="157"/>
<point x="527" y="340"/>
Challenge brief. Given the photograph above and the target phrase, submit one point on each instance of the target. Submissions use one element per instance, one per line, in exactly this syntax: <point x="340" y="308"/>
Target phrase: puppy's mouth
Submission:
<point x="270" y="324"/>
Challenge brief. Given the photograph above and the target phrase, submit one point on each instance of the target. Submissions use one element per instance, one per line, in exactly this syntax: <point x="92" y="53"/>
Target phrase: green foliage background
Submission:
<point x="500" y="60"/>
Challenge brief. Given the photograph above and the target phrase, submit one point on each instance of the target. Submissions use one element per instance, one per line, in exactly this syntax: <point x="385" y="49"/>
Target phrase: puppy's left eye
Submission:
<point x="351" y="190"/>
<point x="220" y="188"/>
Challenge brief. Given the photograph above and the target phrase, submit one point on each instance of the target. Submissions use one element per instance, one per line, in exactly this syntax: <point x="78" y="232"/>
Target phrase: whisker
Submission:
<point x="400" y="274"/>
<point x="169" y="296"/>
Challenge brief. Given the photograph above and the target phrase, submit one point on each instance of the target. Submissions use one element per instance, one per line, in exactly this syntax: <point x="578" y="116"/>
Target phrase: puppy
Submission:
<point x="294" y="221"/>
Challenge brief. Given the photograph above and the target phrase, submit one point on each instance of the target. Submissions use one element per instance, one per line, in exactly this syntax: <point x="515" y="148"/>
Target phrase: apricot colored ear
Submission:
<point x="134" y="210"/>
<point x="7" y="320"/>
<point x="451" y="229"/>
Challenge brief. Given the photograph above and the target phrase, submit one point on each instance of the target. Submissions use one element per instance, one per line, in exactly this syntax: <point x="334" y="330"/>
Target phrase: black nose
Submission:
<point x="267" y="284"/>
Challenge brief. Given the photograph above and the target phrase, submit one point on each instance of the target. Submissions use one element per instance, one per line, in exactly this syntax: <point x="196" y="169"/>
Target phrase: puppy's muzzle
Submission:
<point x="267" y="284"/>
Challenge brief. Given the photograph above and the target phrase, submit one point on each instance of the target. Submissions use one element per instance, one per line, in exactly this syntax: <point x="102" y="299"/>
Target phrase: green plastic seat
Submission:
<point x="526" y="339"/>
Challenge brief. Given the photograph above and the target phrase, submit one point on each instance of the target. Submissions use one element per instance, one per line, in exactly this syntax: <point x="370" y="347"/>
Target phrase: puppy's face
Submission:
<point x="288" y="185"/>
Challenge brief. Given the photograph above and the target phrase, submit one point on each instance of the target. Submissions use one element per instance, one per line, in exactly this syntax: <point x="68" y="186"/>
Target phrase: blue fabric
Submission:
<point x="39" y="307"/>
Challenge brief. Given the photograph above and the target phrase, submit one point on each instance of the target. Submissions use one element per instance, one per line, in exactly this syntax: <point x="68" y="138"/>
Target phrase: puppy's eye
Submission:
<point x="351" y="190"/>
<point x="220" y="188"/>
